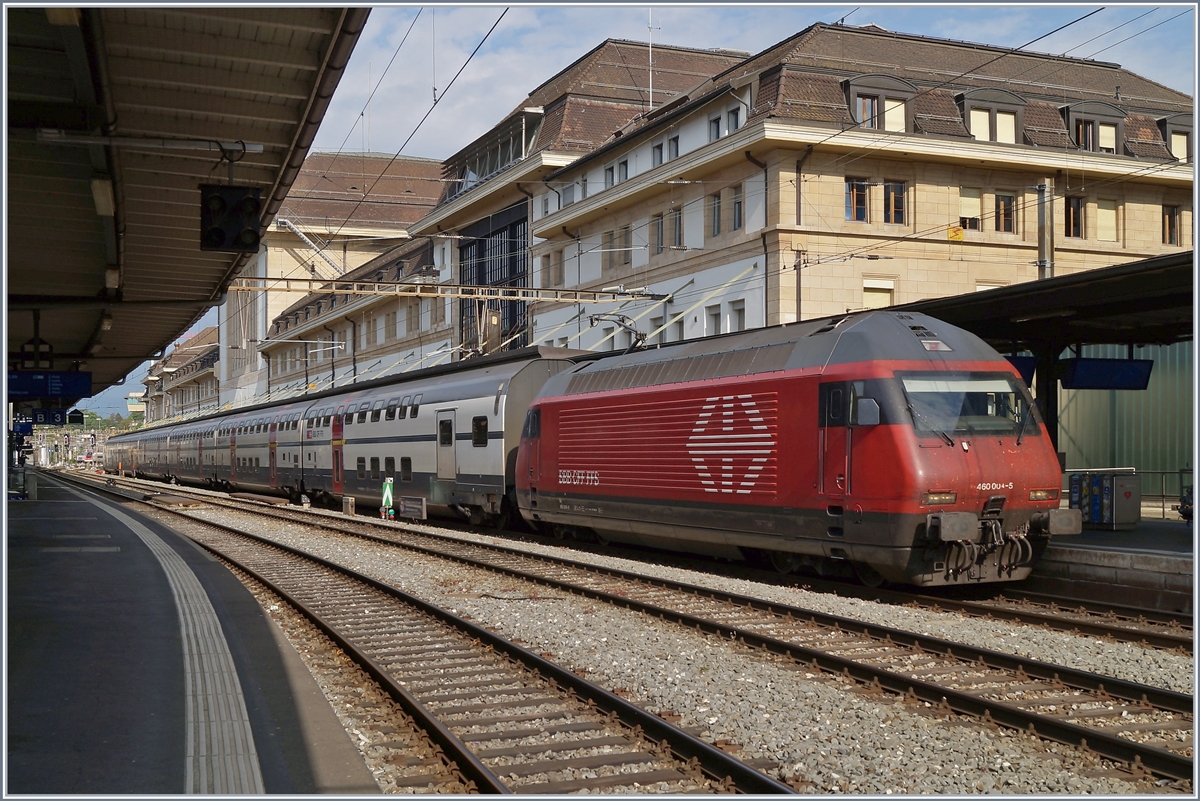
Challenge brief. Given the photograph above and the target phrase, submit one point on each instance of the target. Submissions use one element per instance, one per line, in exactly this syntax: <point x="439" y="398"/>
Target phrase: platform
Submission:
<point x="1150" y="565"/>
<point x="138" y="664"/>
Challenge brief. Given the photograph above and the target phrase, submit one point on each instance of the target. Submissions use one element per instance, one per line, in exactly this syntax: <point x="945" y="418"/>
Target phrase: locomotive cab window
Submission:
<point x="969" y="403"/>
<point x="479" y="432"/>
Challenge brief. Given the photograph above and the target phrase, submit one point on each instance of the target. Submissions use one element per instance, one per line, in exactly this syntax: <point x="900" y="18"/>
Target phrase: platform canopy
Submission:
<point x="1138" y="303"/>
<point x="116" y="116"/>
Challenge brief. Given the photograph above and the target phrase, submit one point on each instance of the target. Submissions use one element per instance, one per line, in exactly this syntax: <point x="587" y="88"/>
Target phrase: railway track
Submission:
<point x="1147" y="628"/>
<point x="488" y="716"/>
<point x="1146" y="728"/>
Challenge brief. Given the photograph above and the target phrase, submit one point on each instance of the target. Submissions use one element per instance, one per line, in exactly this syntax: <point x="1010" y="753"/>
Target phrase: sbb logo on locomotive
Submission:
<point x="587" y="478"/>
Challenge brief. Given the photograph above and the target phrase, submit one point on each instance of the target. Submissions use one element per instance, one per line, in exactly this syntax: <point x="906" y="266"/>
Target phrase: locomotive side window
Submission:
<point x="445" y="433"/>
<point x="479" y="432"/>
<point x="533" y="424"/>
<point x="405" y="468"/>
<point x="831" y="406"/>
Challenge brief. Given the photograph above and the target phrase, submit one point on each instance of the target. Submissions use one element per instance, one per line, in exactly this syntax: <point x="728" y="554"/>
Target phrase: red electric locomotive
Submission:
<point x="885" y="443"/>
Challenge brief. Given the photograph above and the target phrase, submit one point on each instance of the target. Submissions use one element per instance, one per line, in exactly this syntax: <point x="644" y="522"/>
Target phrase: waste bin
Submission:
<point x="347" y="505"/>
<point x="1108" y="499"/>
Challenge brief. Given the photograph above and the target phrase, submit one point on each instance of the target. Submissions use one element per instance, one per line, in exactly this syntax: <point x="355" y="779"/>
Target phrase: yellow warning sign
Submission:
<point x="955" y="233"/>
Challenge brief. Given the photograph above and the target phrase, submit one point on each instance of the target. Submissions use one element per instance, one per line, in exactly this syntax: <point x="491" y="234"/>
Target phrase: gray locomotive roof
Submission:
<point x="866" y="336"/>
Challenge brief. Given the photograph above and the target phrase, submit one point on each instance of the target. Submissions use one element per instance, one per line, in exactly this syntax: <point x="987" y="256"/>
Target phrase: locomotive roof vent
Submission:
<point x="829" y="326"/>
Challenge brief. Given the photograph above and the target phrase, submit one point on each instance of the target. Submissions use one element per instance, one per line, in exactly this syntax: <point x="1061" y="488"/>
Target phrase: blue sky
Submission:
<point x="533" y="42"/>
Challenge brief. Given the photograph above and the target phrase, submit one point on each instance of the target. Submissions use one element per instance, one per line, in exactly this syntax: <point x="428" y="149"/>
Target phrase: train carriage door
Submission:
<point x="533" y="444"/>
<point x="271" y="444"/>
<point x="233" y="454"/>
<point x="339" y="441"/>
<point x="446" y="464"/>
<point x="834" y="440"/>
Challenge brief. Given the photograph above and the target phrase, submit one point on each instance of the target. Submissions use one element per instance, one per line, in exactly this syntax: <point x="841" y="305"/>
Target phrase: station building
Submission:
<point x="185" y="381"/>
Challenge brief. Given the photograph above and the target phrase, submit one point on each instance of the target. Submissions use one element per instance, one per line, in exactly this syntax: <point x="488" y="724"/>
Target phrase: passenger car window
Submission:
<point x="416" y="407"/>
<point x="362" y="467"/>
<point x="479" y="432"/>
<point x="405" y="468"/>
<point x="391" y="409"/>
<point x="404" y="406"/>
<point x="374" y="467"/>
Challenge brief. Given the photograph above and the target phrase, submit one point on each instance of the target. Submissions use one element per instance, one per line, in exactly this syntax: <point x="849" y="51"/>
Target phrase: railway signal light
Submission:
<point x="230" y="218"/>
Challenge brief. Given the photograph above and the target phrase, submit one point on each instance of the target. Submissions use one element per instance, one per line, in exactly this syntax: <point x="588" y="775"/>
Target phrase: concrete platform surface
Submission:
<point x="138" y="664"/>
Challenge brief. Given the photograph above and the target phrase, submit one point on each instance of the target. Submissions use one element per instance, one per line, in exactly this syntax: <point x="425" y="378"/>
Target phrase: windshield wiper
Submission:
<point x="929" y="424"/>
<point x="1024" y="425"/>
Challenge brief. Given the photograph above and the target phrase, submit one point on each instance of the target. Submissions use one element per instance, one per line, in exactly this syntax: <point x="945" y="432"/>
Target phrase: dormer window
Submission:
<point x="880" y="102"/>
<point x="1177" y="134"/>
<point x="1096" y="126"/>
<point x="992" y="115"/>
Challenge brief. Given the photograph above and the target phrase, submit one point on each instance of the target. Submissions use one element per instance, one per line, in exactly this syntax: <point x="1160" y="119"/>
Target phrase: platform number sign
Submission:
<point x="387" y="497"/>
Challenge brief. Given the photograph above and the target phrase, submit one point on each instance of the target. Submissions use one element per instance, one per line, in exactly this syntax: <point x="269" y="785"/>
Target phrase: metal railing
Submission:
<point x="1162" y="489"/>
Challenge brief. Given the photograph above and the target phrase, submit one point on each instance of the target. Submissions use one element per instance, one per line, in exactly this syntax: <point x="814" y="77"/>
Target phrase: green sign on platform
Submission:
<point x="387" y="493"/>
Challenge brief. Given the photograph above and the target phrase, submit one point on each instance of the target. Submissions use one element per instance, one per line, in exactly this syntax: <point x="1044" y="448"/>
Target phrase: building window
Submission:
<point x="656" y="231"/>
<point x="980" y="120"/>
<point x="714" y="129"/>
<point x="876" y="297"/>
<point x="969" y="209"/>
<point x="622" y="171"/>
<point x="583" y="188"/>
<point x="1006" y="205"/>
<point x="656" y="155"/>
<point x="568" y="194"/>
<point x="714" y="207"/>
<point x="607" y="260"/>
<point x="673" y="147"/>
<point x="1170" y="225"/>
<point x="856" y="199"/>
<point x="556" y="268"/>
<point x="734" y="118"/>
<point x="1085" y="134"/>
<point x="737" y="208"/>
<point x="868" y="111"/>
<point x="625" y="245"/>
<point x="1073" y="224"/>
<point x="546" y="271"/>
<point x="677" y="228"/>
<point x="712" y="315"/>
<point x="1107" y="138"/>
<point x="893" y="115"/>
<point x="1106" y="220"/>
<point x="737" y="315"/>
<point x="1006" y="127"/>
<point x="893" y="202"/>
<point x="545" y="204"/>
<point x="1181" y="145"/>
<point x="608" y="177"/>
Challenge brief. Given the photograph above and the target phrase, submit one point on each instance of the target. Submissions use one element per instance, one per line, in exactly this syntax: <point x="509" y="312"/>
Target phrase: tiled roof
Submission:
<point x="580" y="124"/>
<point x="618" y="70"/>
<point x="936" y="113"/>
<point x="802" y="95"/>
<point x="1044" y="126"/>
<point x="1143" y="138"/>
<point x="330" y="188"/>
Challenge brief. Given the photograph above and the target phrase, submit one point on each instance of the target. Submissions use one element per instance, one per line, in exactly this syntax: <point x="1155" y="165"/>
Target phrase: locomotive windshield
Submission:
<point x="968" y="403"/>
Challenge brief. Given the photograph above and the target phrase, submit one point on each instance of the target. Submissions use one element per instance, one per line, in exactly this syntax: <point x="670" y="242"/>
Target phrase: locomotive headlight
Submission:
<point x="938" y="498"/>
<point x="1043" y="495"/>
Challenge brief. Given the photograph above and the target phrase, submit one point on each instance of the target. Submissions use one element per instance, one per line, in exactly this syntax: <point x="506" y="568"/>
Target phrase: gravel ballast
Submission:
<point x="819" y="730"/>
